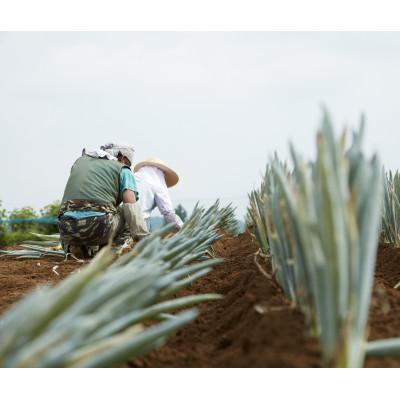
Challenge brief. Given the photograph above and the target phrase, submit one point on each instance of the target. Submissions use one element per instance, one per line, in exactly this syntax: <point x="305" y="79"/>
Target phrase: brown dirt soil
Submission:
<point x="18" y="276"/>
<point x="385" y="306"/>
<point x="230" y="332"/>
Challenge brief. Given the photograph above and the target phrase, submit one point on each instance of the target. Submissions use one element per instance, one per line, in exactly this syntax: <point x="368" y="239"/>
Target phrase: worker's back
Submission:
<point x="95" y="180"/>
<point x="150" y="181"/>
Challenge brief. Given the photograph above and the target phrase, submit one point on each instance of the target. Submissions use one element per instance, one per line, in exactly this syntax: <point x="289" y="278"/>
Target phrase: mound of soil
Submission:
<point x="230" y="332"/>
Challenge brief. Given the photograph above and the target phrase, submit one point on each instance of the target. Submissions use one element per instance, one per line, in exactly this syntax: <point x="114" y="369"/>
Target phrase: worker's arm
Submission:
<point x="128" y="197"/>
<point x="164" y="204"/>
<point x="127" y="186"/>
<point x="130" y="207"/>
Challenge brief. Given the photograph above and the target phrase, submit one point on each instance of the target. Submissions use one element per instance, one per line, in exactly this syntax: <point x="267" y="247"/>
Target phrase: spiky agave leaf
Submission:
<point x="384" y="348"/>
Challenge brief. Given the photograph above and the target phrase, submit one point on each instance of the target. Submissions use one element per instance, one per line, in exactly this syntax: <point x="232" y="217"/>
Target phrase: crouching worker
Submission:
<point x="89" y="215"/>
<point x="154" y="178"/>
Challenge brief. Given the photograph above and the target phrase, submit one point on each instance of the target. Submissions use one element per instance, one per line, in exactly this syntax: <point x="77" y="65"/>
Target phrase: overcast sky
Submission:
<point x="214" y="106"/>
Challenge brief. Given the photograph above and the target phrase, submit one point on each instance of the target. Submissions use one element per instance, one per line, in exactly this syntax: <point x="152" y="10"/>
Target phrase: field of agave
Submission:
<point x="301" y="287"/>
<point x="115" y="308"/>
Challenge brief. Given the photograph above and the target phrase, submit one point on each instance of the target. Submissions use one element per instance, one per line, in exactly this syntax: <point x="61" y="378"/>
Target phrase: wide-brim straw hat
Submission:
<point x="171" y="177"/>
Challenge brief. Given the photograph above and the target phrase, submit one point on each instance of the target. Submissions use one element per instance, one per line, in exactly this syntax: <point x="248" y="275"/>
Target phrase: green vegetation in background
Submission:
<point x="2" y="228"/>
<point x="15" y="233"/>
<point x="21" y="213"/>
<point x="50" y="210"/>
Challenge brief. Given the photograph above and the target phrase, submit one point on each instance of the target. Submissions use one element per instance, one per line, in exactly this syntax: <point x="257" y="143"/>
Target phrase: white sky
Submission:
<point x="212" y="105"/>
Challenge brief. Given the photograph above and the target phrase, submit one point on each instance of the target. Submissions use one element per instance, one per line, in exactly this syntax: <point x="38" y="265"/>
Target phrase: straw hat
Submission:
<point x="171" y="177"/>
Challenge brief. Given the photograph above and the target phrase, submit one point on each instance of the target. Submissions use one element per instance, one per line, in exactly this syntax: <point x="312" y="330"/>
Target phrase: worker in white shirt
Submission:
<point x="154" y="178"/>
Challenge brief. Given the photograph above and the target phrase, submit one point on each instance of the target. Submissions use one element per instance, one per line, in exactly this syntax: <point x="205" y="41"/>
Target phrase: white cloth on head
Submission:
<point x="98" y="153"/>
<point x="153" y="192"/>
<point x="114" y="149"/>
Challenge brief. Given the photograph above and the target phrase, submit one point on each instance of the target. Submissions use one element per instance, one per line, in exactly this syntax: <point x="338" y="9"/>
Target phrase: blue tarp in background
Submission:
<point x="42" y="220"/>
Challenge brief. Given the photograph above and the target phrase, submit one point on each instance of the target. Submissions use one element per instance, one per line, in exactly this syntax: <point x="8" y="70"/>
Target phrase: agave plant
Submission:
<point x="256" y="218"/>
<point x="45" y="245"/>
<point x="391" y="209"/>
<point x="215" y="217"/>
<point x="111" y="310"/>
<point x="269" y="214"/>
<point x="323" y="226"/>
<point x="228" y="223"/>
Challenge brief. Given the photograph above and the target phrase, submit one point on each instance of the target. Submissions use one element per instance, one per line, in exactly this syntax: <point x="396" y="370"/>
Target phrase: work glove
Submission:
<point x="134" y="218"/>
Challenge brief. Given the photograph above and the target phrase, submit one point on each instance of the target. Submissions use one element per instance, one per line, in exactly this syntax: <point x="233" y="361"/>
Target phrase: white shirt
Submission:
<point x="153" y="192"/>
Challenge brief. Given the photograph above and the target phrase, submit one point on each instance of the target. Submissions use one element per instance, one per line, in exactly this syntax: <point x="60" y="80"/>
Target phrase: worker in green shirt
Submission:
<point x="100" y="198"/>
